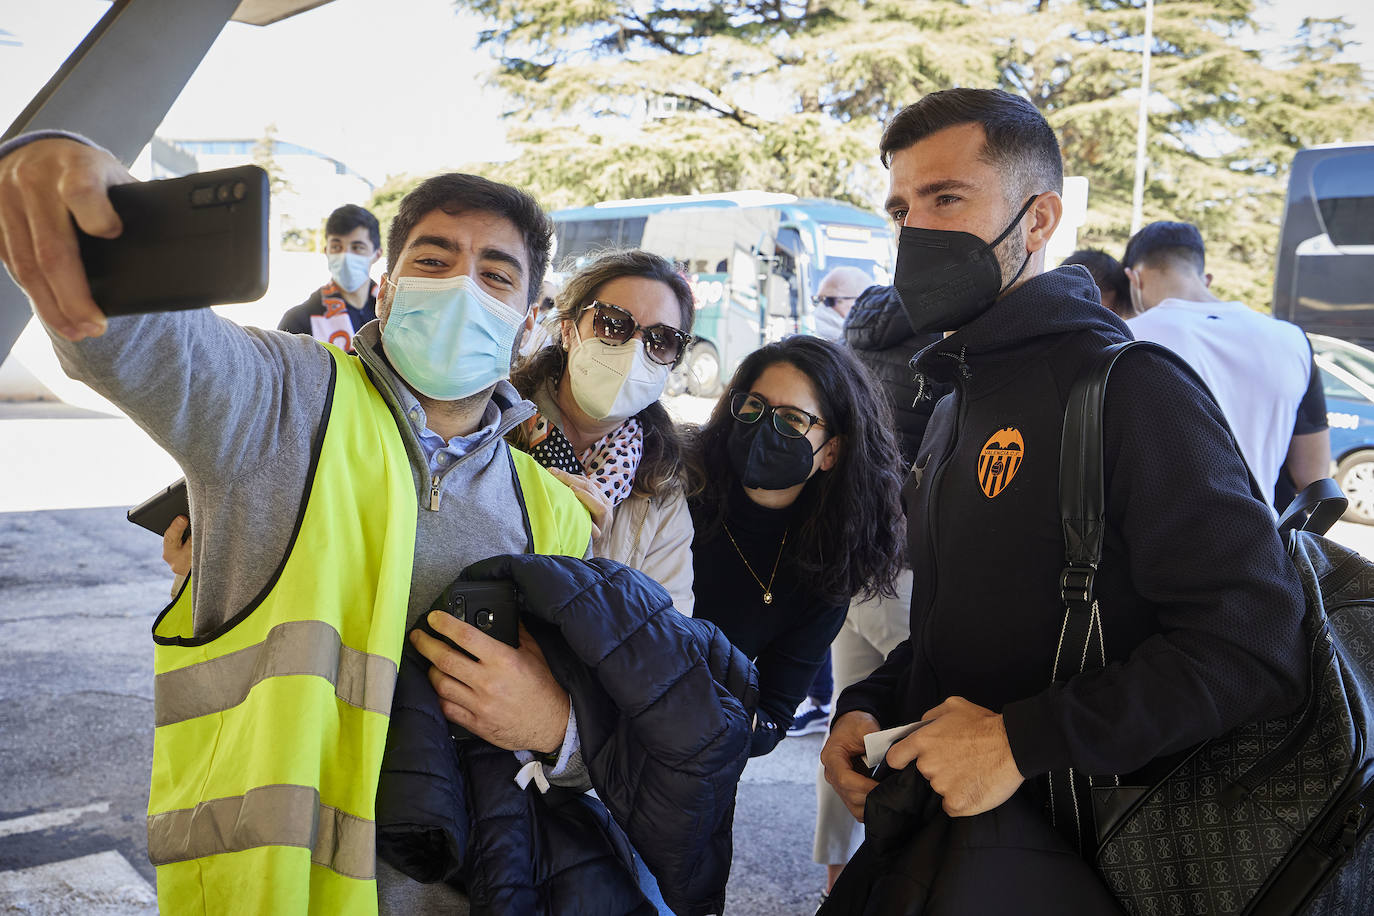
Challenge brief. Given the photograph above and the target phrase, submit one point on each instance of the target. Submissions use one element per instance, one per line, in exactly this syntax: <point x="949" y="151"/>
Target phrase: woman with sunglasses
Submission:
<point x="624" y="323"/>
<point x="794" y="487"/>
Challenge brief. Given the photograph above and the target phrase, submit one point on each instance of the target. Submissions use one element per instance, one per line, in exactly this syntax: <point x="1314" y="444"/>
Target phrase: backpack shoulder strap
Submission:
<point x="1082" y="502"/>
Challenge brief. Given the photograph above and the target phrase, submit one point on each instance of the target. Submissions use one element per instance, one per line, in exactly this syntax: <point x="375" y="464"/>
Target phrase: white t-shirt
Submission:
<point x="1256" y="366"/>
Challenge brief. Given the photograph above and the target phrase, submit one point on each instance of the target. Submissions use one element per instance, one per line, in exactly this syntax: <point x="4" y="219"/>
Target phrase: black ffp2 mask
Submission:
<point x="946" y="278"/>
<point x="765" y="459"/>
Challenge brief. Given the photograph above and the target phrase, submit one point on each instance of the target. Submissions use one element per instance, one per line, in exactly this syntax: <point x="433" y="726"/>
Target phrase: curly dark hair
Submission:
<point x="852" y="539"/>
<point x="660" y="467"/>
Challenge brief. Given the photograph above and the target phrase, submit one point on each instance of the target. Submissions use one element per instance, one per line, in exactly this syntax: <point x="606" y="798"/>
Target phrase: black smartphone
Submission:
<point x="157" y="512"/>
<point x="187" y="243"/>
<point x="492" y="607"/>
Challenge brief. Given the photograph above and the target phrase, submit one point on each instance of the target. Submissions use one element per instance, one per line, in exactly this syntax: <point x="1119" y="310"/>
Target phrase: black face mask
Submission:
<point x="946" y="278"/>
<point x="765" y="459"/>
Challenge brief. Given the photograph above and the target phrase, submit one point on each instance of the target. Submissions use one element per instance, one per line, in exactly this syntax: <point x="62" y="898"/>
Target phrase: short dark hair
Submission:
<point x="1018" y="138"/>
<point x="456" y="192"/>
<point x="349" y="217"/>
<point x="1164" y="242"/>
<point x="1107" y="272"/>
<point x="851" y="538"/>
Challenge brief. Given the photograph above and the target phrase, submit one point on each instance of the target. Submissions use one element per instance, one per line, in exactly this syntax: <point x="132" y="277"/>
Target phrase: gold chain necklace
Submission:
<point x="767" y="589"/>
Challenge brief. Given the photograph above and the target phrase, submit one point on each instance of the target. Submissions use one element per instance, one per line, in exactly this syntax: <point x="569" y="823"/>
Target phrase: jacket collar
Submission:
<point x="1054" y="303"/>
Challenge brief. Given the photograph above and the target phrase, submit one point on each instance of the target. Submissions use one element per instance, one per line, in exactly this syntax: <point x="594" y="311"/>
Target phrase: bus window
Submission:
<point x="579" y="239"/>
<point x="868" y="249"/>
<point x="1343" y="188"/>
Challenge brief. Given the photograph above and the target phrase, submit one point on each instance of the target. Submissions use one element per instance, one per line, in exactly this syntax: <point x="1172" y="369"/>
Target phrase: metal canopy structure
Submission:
<point x="120" y="82"/>
<point x="266" y="12"/>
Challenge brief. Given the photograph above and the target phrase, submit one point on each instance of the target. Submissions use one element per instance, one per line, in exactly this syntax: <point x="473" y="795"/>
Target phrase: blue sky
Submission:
<point x="387" y="86"/>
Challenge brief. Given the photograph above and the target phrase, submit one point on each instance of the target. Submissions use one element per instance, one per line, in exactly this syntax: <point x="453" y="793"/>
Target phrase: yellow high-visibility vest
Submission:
<point x="270" y="730"/>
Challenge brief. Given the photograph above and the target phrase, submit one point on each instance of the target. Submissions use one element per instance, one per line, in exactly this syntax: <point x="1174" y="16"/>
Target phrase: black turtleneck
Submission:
<point x="787" y="638"/>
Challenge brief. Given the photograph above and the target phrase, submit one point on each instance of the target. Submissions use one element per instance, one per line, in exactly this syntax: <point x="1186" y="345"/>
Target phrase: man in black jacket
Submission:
<point x="1201" y="608"/>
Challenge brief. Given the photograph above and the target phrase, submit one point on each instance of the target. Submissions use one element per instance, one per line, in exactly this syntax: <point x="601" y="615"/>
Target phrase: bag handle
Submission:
<point x="1319" y="506"/>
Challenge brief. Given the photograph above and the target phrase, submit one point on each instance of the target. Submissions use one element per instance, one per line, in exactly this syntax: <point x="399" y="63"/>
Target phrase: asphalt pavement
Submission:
<point x="79" y="588"/>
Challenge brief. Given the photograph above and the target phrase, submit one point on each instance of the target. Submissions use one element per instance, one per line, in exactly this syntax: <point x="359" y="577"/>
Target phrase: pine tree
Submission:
<point x="631" y="98"/>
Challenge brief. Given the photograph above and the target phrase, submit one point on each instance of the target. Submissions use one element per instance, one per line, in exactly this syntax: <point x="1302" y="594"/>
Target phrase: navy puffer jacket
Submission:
<point x="664" y="705"/>
<point x="880" y="335"/>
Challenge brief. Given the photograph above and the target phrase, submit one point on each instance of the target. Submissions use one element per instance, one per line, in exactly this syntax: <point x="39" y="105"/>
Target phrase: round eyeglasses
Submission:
<point x="789" y="421"/>
<point x="664" y="344"/>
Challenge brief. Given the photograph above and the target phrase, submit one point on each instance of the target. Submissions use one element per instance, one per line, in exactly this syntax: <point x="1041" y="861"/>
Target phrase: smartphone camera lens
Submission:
<point x="484" y="619"/>
<point x="201" y="197"/>
<point x="240" y="190"/>
<point x="222" y="193"/>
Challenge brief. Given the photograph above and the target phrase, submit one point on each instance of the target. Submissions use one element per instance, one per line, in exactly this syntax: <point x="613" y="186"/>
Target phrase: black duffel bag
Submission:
<point x="1273" y="817"/>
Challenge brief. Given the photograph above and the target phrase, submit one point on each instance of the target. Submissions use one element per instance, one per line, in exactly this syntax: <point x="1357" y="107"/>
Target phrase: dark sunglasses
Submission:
<point x="830" y="300"/>
<point x="663" y="343"/>
<point x="789" y="421"/>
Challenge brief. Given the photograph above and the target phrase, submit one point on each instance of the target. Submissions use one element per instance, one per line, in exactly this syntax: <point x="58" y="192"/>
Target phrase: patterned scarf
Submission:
<point x="611" y="461"/>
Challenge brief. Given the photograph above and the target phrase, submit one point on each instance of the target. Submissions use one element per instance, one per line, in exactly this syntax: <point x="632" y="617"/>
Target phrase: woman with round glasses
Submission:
<point x="794" y="486"/>
<point x="624" y="323"/>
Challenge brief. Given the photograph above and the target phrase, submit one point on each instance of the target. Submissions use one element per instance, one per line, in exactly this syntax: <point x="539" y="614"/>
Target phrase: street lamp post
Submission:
<point x="1142" y="120"/>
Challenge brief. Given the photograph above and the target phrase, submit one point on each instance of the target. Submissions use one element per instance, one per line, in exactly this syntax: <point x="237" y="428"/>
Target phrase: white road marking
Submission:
<point x="104" y="884"/>
<point x="49" y="819"/>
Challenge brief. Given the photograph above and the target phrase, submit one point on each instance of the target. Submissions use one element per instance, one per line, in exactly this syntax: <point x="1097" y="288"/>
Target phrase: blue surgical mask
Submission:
<point x="349" y="270"/>
<point x="449" y="338"/>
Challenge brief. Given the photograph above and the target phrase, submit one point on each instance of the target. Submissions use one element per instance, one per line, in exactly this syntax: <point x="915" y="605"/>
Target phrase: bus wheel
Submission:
<point x="703" y="370"/>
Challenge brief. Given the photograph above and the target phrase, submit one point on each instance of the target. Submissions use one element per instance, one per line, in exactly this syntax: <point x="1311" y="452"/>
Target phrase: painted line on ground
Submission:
<point x="49" y="819"/>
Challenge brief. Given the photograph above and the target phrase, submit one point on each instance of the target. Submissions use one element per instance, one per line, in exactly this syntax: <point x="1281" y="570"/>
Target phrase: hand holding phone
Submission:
<point x="157" y="512"/>
<point x="49" y="184"/>
<point x="492" y="607"/>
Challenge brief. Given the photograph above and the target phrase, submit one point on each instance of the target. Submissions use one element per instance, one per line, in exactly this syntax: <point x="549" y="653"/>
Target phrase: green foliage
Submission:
<point x="264" y="157"/>
<point x="632" y="98"/>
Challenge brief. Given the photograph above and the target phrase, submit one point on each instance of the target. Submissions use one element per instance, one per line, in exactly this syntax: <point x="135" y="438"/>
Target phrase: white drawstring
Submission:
<point x="533" y="771"/>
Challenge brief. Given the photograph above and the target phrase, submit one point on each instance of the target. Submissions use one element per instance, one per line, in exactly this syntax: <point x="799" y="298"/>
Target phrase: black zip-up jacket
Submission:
<point x="1201" y="608"/>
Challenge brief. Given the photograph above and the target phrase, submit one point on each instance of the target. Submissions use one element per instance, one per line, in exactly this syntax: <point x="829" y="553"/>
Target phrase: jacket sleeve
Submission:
<point x="216" y="396"/>
<point x="296" y="320"/>
<point x="1205" y="554"/>
<point x="786" y="667"/>
<point x="668" y="556"/>
<point x="880" y="692"/>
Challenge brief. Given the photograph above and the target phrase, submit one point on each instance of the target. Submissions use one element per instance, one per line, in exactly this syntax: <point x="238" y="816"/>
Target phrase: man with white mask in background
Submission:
<point x="835" y="296"/>
<point x="338" y="495"/>
<point x="335" y="311"/>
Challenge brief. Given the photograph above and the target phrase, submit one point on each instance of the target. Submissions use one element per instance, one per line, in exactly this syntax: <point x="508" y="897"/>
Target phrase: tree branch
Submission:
<point x="732" y="113"/>
<point x="651" y="34"/>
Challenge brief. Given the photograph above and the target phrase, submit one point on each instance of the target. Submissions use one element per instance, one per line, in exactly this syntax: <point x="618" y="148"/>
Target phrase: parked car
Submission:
<point x="1348" y="380"/>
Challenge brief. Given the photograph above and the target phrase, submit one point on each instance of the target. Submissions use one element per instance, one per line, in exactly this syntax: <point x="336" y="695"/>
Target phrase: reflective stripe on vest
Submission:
<point x="270" y="730"/>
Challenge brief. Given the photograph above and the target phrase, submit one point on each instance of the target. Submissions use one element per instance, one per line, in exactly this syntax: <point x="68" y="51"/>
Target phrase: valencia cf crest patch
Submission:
<point x="999" y="460"/>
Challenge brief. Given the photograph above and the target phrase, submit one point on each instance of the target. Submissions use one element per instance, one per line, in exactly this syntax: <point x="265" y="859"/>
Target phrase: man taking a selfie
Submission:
<point x="335" y="497"/>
